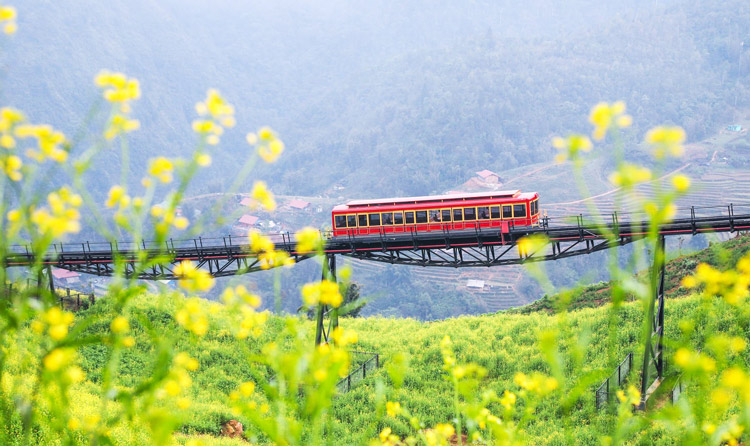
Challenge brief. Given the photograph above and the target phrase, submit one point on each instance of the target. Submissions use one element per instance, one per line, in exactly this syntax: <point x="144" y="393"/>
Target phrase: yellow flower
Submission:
<point x="247" y="388"/>
<point x="629" y="175"/>
<point x="269" y="146"/>
<point x="259" y="242"/>
<point x="181" y="222"/>
<point x="666" y="140"/>
<point x="681" y="183"/>
<point x="571" y="146"/>
<point x="58" y="359"/>
<point x="232" y="296"/>
<point x="324" y="292"/>
<point x="734" y="377"/>
<point x="603" y="116"/>
<point x="191" y="278"/>
<point x="342" y="338"/>
<point x="393" y="409"/>
<point x="272" y="259"/>
<point x="119" y="325"/>
<point x="61" y="217"/>
<point x="118" y="88"/>
<point x="508" y="400"/>
<point x="48" y="142"/>
<point x="262" y="196"/>
<point x="161" y="168"/>
<point x="117" y="196"/>
<point x="632" y="397"/>
<point x="11" y="166"/>
<point x="192" y="317"/>
<point x="203" y="160"/>
<point x="308" y="240"/>
<point x="119" y="125"/>
<point x="531" y="244"/>
<point x="218" y="114"/>
<point x="8" y="19"/>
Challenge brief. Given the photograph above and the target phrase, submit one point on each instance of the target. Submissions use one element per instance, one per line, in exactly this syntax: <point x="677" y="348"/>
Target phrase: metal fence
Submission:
<point x="608" y="388"/>
<point x="366" y="368"/>
<point x="76" y="301"/>
<point x="677" y="390"/>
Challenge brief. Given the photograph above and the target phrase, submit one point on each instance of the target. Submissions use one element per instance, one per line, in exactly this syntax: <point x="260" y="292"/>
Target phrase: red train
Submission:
<point x="500" y="209"/>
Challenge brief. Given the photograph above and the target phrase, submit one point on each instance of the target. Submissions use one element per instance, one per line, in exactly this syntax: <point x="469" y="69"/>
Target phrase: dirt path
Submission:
<point x="615" y="190"/>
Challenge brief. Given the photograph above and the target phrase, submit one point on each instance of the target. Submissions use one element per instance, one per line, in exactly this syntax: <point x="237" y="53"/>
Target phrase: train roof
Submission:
<point x="436" y="198"/>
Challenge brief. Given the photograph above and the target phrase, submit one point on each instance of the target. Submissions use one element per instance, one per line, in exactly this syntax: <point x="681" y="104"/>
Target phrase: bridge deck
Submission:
<point x="466" y="248"/>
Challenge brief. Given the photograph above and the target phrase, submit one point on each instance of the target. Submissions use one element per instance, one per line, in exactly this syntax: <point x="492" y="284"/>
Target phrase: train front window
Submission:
<point x="495" y="212"/>
<point x="340" y="221"/>
<point x="421" y="216"/>
<point x="374" y="219"/>
<point x="351" y="221"/>
<point x="387" y="218"/>
<point x="434" y="216"/>
<point x="483" y="212"/>
<point x="398" y="218"/>
<point x="362" y="219"/>
<point x="470" y="214"/>
<point x="519" y="210"/>
<point x="458" y="215"/>
<point x="409" y="218"/>
<point x="507" y="212"/>
<point x="446" y="215"/>
<point x="534" y="207"/>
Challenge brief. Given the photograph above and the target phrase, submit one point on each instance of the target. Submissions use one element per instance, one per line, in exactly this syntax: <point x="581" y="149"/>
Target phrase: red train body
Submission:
<point x="502" y="209"/>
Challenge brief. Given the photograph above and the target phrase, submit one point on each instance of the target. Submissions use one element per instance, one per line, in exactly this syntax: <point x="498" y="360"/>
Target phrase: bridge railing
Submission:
<point x="170" y="245"/>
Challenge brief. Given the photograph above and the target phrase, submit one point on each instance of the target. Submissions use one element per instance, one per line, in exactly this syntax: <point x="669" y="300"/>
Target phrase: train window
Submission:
<point x="351" y="221"/>
<point x="434" y="216"/>
<point x="409" y="218"/>
<point x="387" y="218"/>
<point x="519" y="210"/>
<point x="458" y="215"/>
<point x="340" y="221"/>
<point x="495" y="212"/>
<point x="483" y="212"/>
<point x="362" y="219"/>
<point x="507" y="212"/>
<point x="470" y="214"/>
<point x="446" y="215"/>
<point x="421" y="216"/>
<point x="374" y="219"/>
<point x="398" y="218"/>
<point x="535" y="207"/>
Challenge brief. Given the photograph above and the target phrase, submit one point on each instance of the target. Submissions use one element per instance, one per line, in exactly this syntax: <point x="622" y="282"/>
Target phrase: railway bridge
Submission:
<point x="477" y="247"/>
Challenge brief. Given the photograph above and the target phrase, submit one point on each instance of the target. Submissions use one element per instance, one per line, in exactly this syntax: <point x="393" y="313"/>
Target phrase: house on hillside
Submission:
<point x="475" y="284"/>
<point x="299" y="204"/>
<point x="489" y="176"/>
<point x="66" y="277"/>
<point x="247" y="201"/>
<point x="736" y="128"/>
<point x="244" y="224"/>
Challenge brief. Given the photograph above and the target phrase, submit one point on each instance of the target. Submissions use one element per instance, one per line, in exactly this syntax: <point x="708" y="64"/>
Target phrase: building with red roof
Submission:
<point x="298" y="204"/>
<point x="489" y="176"/>
<point x="68" y="277"/>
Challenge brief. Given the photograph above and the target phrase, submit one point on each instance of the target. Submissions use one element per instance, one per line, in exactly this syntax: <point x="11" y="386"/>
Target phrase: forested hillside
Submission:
<point x="384" y="100"/>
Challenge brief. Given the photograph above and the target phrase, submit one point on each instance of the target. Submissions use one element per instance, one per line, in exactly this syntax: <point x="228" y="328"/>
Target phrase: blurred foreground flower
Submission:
<point x="604" y="116"/>
<point x="571" y="146"/>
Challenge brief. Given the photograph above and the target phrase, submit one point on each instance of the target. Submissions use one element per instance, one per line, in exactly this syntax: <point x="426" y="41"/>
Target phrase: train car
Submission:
<point x="502" y="209"/>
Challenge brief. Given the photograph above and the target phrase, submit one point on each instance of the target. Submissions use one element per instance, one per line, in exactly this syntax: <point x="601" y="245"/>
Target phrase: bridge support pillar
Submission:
<point x="652" y="372"/>
<point x="321" y="334"/>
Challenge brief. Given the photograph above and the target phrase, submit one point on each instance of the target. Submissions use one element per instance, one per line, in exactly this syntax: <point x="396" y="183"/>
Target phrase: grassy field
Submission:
<point x="504" y="344"/>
